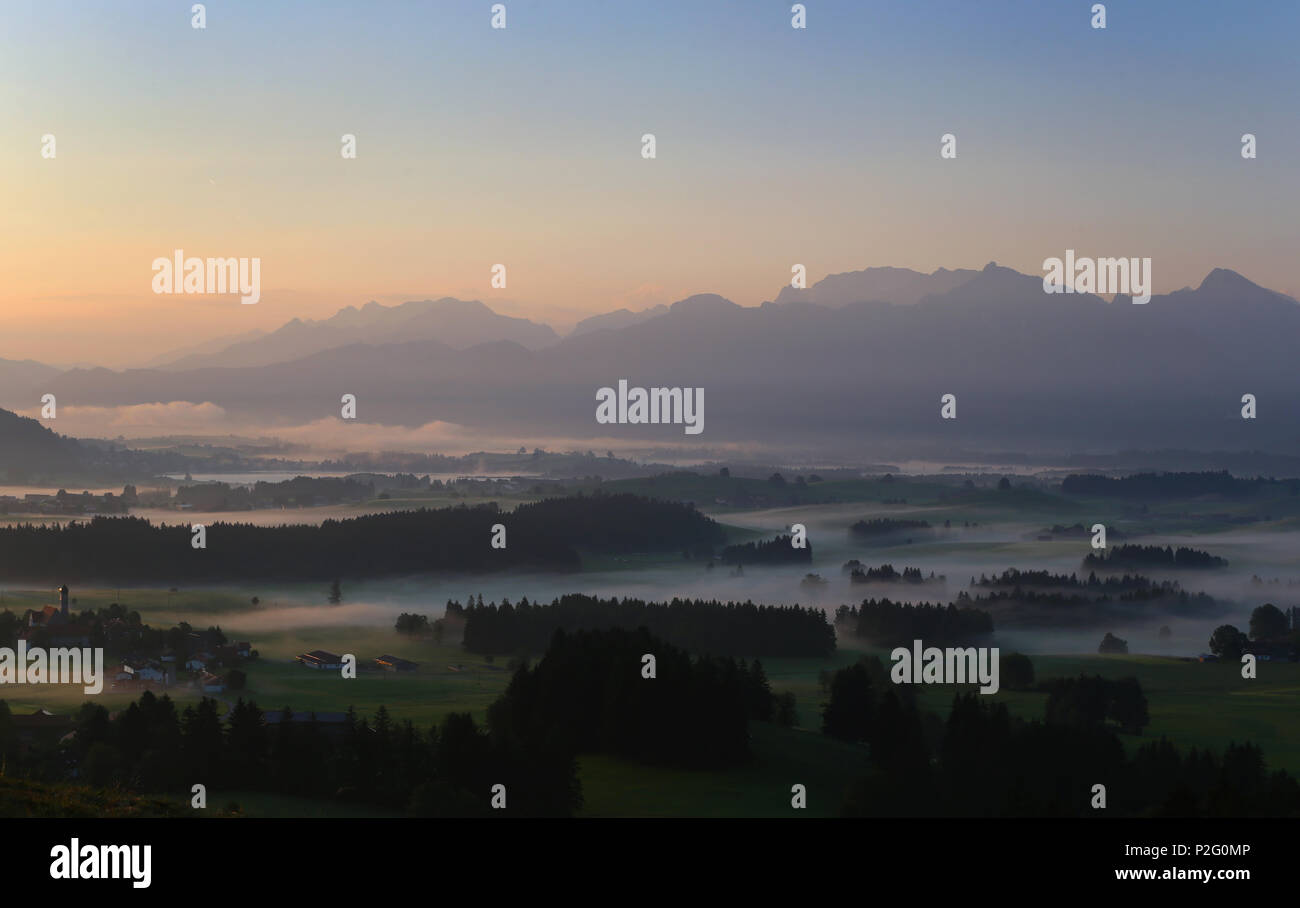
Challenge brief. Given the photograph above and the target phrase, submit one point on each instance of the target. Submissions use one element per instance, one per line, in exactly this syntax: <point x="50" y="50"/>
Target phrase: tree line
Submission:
<point x="980" y="761"/>
<point x="545" y="534"/>
<point x="1167" y="485"/>
<point x="859" y="573"/>
<point x="1012" y="577"/>
<point x="780" y="550"/>
<point x="885" y="526"/>
<point x="1268" y="626"/>
<point x="888" y="623"/>
<point x="1134" y="556"/>
<point x="300" y="491"/>
<point x="698" y="625"/>
<point x="1079" y="605"/>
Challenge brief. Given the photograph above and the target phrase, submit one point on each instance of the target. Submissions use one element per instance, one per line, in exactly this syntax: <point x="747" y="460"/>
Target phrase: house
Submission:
<point x="396" y="664"/>
<point x="198" y="662"/>
<point x="44" y="617"/>
<point x="212" y="684"/>
<point x="321" y="659"/>
<point x="243" y="649"/>
<point x="144" y="671"/>
<point x="225" y="655"/>
<point x="42" y="727"/>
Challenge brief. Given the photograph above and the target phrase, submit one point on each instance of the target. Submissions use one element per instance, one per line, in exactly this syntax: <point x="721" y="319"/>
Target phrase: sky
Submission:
<point x="522" y="146"/>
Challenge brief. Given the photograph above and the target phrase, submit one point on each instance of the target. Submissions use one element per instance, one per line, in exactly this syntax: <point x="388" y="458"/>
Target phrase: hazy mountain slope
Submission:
<point x="26" y="447"/>
<point x="900" y="286"/>
<point x="169" y="359"/>
<point x="455" y="323"/>
<point x="21" y="381"/>
<point x="619" y="318"/>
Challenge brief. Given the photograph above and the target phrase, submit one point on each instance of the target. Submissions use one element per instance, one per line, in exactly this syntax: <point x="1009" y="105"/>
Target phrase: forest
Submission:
<point x="1170" y="485"/>
<point x="780" y="550"/>
<point x="1123" y="557"/>
<point x="546" y="534"/>
<point x="301" y="491"/>
<point x="888" y="623"/>
<point x="982" y="762"/>
<point x="700" y="626"/>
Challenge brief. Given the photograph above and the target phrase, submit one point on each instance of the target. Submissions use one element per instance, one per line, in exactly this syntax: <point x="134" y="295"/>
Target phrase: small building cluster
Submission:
<point x="324" y="660"/>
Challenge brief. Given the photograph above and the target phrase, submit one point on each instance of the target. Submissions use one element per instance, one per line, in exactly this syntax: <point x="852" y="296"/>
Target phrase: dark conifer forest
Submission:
<point x="546" y="534"/>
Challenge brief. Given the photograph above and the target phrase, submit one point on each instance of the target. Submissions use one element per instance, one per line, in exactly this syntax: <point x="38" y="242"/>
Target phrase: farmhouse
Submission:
<point x="42" y="727"/>
<point x="322" y="659"/>
<point x="396" y="664"/>
<point x="212" y="684"/>
<point x="144" y="671"/>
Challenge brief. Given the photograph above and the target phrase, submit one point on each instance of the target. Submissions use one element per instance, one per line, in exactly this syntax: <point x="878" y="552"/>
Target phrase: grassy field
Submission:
<point x="1192" y="704"/>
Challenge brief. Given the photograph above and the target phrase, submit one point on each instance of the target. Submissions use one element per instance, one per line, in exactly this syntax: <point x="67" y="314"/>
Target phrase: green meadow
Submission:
<point x="1193" y="704"/>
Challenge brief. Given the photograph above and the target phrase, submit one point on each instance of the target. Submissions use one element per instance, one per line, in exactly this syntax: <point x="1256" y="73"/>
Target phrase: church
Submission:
<point x="58" y="624"/>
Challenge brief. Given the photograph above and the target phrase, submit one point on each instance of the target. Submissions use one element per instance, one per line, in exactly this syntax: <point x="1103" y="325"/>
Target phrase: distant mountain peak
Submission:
<point x="1226" y="279"/>
<point x="879" y="283"/>
<point x="703" y="302"/>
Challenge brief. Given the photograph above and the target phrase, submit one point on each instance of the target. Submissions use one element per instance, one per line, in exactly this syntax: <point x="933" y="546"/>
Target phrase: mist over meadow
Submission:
<point x="957" y="554"/>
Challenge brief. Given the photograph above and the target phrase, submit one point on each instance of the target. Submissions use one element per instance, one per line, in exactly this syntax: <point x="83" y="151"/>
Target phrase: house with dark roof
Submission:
<point x="144" y="670"/>
<point x="212" y="684"/>
<point x="42" y="727"/>
<point x="391" y="663"/>
<point x="321" y="659"/>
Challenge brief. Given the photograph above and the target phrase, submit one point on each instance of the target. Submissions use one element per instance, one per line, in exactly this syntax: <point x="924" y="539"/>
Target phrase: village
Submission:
<point x="203" y="661"/>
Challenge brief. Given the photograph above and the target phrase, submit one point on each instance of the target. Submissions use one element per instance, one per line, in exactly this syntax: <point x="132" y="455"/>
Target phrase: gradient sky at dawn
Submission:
<point x="522" y="146"/>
